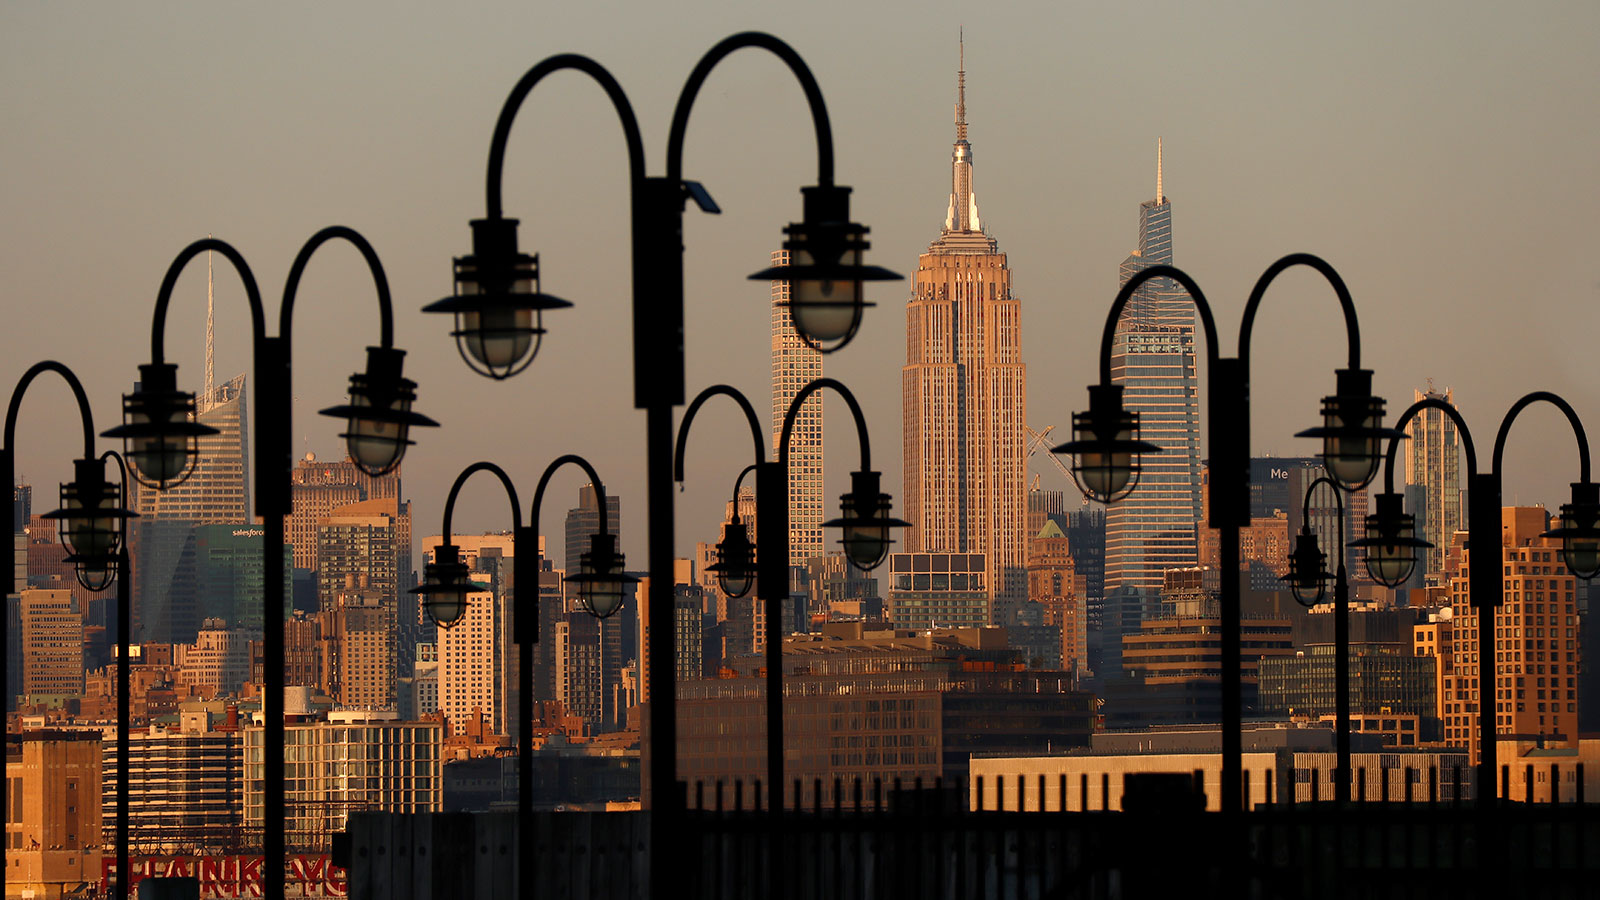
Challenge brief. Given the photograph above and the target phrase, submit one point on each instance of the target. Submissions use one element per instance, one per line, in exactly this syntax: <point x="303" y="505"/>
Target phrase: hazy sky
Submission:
<point x="1442" y="155"/>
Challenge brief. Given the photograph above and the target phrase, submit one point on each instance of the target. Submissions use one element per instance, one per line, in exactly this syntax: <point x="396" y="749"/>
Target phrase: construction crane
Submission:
<point x="1040" y="439"/>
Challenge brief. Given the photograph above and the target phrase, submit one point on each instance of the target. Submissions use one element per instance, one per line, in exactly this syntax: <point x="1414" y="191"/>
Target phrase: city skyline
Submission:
<point x="244" y="129"/>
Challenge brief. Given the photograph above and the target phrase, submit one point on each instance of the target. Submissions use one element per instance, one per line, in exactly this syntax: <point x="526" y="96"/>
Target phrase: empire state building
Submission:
<point x="964" y="395"/>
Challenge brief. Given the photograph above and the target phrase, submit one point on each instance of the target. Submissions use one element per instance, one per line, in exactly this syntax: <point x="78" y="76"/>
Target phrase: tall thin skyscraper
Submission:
<point x="794" y="365"/>
<point x="965" y="399"/>
<point x="1153" y="358"/>
<point x="1433" y="470"/>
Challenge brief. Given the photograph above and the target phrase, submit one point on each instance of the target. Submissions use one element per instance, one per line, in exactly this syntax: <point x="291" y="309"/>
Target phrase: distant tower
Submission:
<point x="1433" y="470"/>
<point x="794" y="365"/>
<point x="211" y="323"/>
<point x="964" y="395"/>
<point x="1153" y="358"/>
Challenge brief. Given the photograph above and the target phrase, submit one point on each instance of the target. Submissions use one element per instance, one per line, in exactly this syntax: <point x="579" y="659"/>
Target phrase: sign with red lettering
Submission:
<point x="305" y="874"/>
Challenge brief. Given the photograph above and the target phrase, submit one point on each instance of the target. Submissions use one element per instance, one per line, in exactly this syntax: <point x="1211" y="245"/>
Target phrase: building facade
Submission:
<point x="1155" y="528"/>
<point x="965" y="397"/>
<point x="794" y="365"/>
<point x="1433" y="478"/>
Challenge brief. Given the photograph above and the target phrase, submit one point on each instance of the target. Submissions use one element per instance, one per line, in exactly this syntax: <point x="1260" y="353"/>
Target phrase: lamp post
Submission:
<point x="84" y="515"/>
<point x="499" y="315"/>
<point x="864" y="520"/>
<point x="1106" y="449"/>
<point x="1391" y="547"/>
<point x="161" y="446"/>
<point x="446" y="585"/>
<point x="93" y="519"/>
<point x="1307" y="573"/>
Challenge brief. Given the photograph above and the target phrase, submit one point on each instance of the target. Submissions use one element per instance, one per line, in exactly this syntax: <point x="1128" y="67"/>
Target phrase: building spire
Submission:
<point x="211" y="311"/>
<point x="962" y="214"/>
<point x="961" y="87"/>
<point x="1160" y="197"/>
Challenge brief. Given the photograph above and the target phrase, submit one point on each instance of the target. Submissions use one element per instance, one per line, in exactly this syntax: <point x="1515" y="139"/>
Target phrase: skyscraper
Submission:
<point x="165" y="609"/>
<point x="964" y="396"/>
<point x="794" y="365"/>
<point x="1153" y="359"/>
<point x="1433" y="477"/>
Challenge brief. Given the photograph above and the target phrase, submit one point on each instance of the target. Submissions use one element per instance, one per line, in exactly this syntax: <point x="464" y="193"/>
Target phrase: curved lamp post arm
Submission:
<point x="594" y="479"/>
<point x="1126" y="293"/>
<point x="1461" y="428"/>
<point x="849" y="399"/>
<point x="802" y="73"/>
<point x="1559" y="403"/>
<point x="21" y="389"/>
<point x="258" y="318"/>
<point x="508" y="114"/>
<point x="1352" y="331"/>
<point x="694" y="407"/>
<point x="381" y="281"/>
<point x="505" y="481"/>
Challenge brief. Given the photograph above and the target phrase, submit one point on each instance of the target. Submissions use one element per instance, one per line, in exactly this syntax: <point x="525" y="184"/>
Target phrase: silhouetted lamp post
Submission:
<point x="92" y="521"/>
<point x="498" y="308"/>
<point x="446" y="582"/>
<point x="1392" y="547"/>
<point x="1308" y="572"/>
<point x="161" y="444"/>
<point x="1106" y="449"/>
<point x="864" y="519"/>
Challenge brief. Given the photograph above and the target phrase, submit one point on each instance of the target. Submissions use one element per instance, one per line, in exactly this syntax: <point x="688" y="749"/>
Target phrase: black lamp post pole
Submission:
<point x="1341" y="639"/>
<point x="8" y="462"/>
<point x="124" y="713"/>
<point x="1228" y="414"/>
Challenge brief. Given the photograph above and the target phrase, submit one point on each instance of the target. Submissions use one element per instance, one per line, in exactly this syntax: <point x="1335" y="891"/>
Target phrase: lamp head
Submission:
<point x="445" y="585"/>
<point x="865" y="521"/>
<point x="736" y="560"/>
<point x="1307" y="568"/>
<point x="1352" y="430"/>
<point x="1105" y="447"/>
<point x="498" y="308"/>
<point x="159" y="434"/>
<point x="600" y="578"/>
<point x="379" y="412"/>
<point x="1391" y="542"/>
<point x="826" y="270"/>
<point x="92" y="521"/>
<point x="1579" y="531"/>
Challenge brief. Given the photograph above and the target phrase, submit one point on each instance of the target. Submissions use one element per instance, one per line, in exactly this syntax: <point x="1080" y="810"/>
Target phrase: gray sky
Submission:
<point x="1439" y="154"/>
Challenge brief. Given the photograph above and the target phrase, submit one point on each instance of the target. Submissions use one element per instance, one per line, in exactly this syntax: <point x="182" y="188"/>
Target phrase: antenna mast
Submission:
<point x="211" y="311"/>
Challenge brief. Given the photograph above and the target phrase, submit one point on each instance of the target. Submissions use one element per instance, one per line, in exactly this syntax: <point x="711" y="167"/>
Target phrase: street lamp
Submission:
<point x="1106" y="451"/>
<point x="90" y="504"/>
<point x="1390" y="531"/>
<point x="735" y="567"/>
<point x="92" y="516"/>
<point x="446" y="582"/>
<point x="865" y="522"/>
<point x="825" y="252"/>
<point x="1307" y="575"/>
<point x="160" y="443"/>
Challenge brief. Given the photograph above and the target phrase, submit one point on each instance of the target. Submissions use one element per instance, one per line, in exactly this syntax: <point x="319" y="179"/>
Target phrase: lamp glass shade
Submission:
<point x="1579" y="531"/>
<point x="92" y="529"/>
<point x="1391" y="554"/>
<point x="866" y="543"/>
<point x="1351" y="454"/>
<point x="159" y="433"/>
<point x="825" y="310"/>
<point x="446" y="608"/>
<point x="1106" y="476"/>
<point x="376" y="445"/>
<point x="600" y="579"/>
<point x="498" y="338"/>
<point x="445" y="585"/>
<point x="95" y="575"/>
<point x="1582" y="557"/>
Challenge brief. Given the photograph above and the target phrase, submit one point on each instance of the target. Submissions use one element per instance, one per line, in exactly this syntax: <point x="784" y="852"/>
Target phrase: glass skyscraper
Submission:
<point x="1153" y="358"/>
